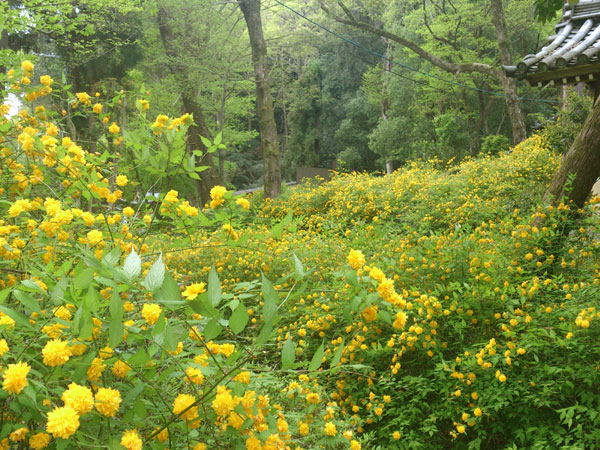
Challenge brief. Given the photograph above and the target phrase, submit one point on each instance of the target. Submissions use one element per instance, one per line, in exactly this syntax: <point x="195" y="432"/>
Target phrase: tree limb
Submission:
<point x="414" y="47"/>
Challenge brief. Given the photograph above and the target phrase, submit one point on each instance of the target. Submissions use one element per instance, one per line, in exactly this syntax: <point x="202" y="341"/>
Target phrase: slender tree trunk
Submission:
<point x="509" y="85"/>
<point x="190" y="105"/>
<point x="581" y="162"/>
<point x="3" y="46"/>
<point x="264" y="103"/>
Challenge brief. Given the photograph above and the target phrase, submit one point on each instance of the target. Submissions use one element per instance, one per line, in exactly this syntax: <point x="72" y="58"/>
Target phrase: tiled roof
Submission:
<point x="572" y="54"/>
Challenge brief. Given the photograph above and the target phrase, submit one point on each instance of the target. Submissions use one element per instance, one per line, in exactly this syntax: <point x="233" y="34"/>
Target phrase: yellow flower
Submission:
<point x="27" y="66"/>
<point x="356" y="259"/>
<point x="253" y="443"/>
<point x="121" y="180"/>
<point x="330" y="429"/>
<point x="56" y="352"/>
<point x="194" y="375"/>
<point x="131" y="440"/>
<point x="303" y="428"/>
<point x="107" y="401"/>
<point x="355" y="445"/>
<point x="243" y="377"/>
<point x="151" y="313"/>
<point x="121" y="369"/>
<point x="171" y="197"/>
<point x="370" y="313"/>
<point x="223" y="403"/>
<point x="63" y="422"/>
<point x="193" y="290"/>
<point x="78" y="397"/>
<point x="128" y="211"/>
<point x="83" y="97"/>
<point x="214" y="204"/>
<point x="95" y="370"/>
<point x="218" y="192"/>
<point x="400" y="320"/>
<point x="15" y="377"/>
<point x="313" y="398"/>
<point x="3" y="347"/>
<point x="477" y="412"/>
<point x="46" y="80"/>
<point x="97" y="108"/>
<point x="460" y="428"/>
<point x="39" y="441"/>
<point x="396" y="435"/>
<point x="94" y="237"/>
<point x="114" y="128"/>
<point x="245" y="204"/>
<point x="182" y="403"/>
<point x="19" y="435"/>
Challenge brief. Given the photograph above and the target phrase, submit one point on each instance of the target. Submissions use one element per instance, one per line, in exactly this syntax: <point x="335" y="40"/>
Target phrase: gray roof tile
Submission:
<point x="572" y="54"/>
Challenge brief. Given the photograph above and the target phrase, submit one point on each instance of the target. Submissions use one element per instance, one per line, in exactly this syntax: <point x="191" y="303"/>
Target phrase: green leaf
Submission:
<point x="212" y="330"/>
<point x="337" y="356"/>
<point x="218" y="138"/>
<point x="239" y="318"/>
<point x="270" y="298"/>
<point x="28" y="301"/>
<point x="135" y="392"/>
<point x="4" y="293"/>
<point x="156" y="275"/>
<point x="84" y="324"/>
<point x="140" y="358"/>
<point x="317" y="359"/>
<point x="115" y="332"/>
<point x="277" y="230"/>
<point x="92" y="299"/>
<point x="214" y="288"/>
<point x="170" y="340"/>
<point x="58" y="293"/>
<point x="169" y="293"/>
<point x="207" y="143"/>
<point x="264" y="335"/>
<point x="288" y="354"/>
<point x="112" y="257"/>
<point x="201" y="305"/>
<point x="19" y="318"/>
<point x="298" y="269"/>
<point x="116" y="306"/>
<point x="84" y="279"/>
<point x="133" y="265"/>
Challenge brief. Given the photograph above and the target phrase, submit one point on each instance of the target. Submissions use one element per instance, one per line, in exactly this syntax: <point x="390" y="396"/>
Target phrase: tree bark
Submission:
<point x="191" y="106"/>
<point x="509" y="85"/>
<point x="3" y="46"/>
<point x="264" y="102"/>
<point x="581" y="162"/>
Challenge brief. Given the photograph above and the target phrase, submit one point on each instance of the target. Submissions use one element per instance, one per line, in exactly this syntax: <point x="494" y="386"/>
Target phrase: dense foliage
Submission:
<point x="430" y="308"/>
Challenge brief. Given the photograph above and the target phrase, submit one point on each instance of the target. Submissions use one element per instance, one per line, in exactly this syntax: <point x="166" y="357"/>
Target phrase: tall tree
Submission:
<point x="349" y="17"/>
<point x="264" y="103"/>
<point x="190" y="105"/>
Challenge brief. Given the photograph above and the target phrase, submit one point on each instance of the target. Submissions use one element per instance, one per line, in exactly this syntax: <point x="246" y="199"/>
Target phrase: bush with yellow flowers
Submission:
<point x="100" y="346"/>
<point x="429" y="308"/>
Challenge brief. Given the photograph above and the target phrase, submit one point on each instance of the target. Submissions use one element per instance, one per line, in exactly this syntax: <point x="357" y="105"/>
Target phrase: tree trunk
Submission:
<point x="264" y="103"/>
<point x="190" y="105"/>
<point x="509" y="85"/>
<point x="3" y="46"/>
<point x="582" y="162"/>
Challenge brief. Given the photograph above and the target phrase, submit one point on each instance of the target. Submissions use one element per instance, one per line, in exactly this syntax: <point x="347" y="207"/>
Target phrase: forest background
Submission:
<point x="344" y="97"/>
